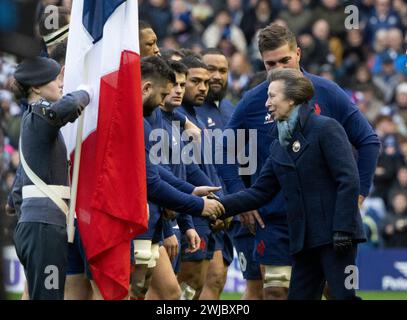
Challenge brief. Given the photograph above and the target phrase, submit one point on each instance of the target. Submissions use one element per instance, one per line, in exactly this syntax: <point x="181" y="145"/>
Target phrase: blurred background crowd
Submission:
<point x="368" y="61"/>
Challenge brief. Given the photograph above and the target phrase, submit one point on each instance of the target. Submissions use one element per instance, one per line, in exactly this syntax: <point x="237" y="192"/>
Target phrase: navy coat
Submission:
<point x="320" y="183"/>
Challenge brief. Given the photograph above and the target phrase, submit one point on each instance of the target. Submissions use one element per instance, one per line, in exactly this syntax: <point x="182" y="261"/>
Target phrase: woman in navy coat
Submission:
<point x="311" y="160"/>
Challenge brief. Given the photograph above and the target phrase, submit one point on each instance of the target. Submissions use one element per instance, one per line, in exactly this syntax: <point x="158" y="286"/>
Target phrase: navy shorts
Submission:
<point x="206" y="249"/>
<point x="77" y="263"/>
<point x="154" y="222"/>
<point x="272" y="243"/>
<point x="176" y="263"/>
<point x="224" y="243"/>
<point x="244" y="245"/>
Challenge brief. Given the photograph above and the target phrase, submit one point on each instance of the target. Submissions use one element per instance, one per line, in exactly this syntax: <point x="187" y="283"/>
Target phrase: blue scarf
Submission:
<point x="286" y="127"/>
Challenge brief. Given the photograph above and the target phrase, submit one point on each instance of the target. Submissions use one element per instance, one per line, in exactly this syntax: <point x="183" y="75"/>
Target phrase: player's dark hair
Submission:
<point x="167" y="54"/>
<point x="142" y="24"/>
<point x="189" y="52"/>
<point x="212" y="51"/>
<point x="59" y="53"/>
<point x="192" y="62"/>
<point x="156" y="68"/>
<point x="296" y="87"/>
<point x="274" y="36"/>
<point x="178" y="66"/>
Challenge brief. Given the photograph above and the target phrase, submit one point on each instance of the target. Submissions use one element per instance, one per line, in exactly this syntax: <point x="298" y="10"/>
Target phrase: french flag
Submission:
<point x="111" y="203"/>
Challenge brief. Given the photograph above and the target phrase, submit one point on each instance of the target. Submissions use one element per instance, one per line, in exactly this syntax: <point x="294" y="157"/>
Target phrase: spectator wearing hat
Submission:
<point x="43" y="176"/>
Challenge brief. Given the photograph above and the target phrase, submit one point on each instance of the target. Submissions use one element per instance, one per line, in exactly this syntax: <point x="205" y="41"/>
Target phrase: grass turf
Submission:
<point x="366" y="295"/>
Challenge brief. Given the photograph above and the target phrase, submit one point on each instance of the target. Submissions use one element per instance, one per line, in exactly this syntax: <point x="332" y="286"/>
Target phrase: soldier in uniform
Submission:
<point x="41" y="236"/>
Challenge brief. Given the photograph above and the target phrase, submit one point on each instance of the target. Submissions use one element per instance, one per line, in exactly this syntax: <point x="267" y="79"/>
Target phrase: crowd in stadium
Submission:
<point x="368" y="62"/>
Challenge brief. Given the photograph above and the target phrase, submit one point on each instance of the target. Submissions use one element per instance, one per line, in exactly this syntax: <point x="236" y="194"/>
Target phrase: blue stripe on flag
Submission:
<point x="95" y="15"/>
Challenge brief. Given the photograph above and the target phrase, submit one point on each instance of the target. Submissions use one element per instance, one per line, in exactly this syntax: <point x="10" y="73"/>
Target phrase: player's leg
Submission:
<point x="218" y="267"/>
<point x="25" y="295"/>
<point x="243" y="241"/>
<point x="254" y="290"/>
<point x="164" y="284"/>
<point x="142" y="254"/>
<point x="191" y="278"/>
<point x="272" y="252"/>
<point x="96" y="295"/>
<point x="215" y="278"/>
<point x="276" y="280"/>
<point x="194" y="265"/>
<point x="77" y="285"/>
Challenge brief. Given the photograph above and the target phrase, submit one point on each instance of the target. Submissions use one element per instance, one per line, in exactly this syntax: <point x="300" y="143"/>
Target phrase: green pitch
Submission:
<point x="366" y="295"/>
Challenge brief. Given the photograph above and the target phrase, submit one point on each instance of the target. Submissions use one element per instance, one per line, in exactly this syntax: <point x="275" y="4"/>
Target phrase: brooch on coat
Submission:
<point x="296" y="146"/>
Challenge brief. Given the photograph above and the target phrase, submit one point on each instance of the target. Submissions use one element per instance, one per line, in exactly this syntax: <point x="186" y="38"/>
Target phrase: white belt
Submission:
<point x="32" y="191"/>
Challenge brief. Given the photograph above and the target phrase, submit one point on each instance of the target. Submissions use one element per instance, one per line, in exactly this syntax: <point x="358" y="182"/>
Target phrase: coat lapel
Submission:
<point x="280" y="155"/>
<point x="298" y="144"/>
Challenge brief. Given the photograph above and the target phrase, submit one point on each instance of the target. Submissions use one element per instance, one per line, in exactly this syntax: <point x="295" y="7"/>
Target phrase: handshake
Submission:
<point x="213" y="208"/>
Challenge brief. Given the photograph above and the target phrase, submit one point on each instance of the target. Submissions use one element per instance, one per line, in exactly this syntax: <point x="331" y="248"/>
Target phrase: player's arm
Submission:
<point x="263" y="190"/>
<point x="362" y="136"/>
<point x="229" y="172"/>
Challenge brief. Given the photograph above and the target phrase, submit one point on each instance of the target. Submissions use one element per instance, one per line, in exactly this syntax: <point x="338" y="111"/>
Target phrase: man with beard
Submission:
<point x="164" y="285"/>
<point x="215" y="113"/>
<point x="194" y="266"/>
<point x="157" y="81"/>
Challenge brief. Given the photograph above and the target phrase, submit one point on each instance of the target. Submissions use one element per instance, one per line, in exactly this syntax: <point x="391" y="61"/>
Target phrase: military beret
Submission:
<point x="37" y="71"/>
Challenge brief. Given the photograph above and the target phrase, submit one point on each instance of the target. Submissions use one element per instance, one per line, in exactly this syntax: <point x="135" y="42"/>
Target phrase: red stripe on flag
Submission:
<point x="112" y="196"/>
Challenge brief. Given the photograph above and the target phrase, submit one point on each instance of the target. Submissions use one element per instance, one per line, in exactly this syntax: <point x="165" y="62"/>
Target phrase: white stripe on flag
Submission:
<point x="87" y="63"/>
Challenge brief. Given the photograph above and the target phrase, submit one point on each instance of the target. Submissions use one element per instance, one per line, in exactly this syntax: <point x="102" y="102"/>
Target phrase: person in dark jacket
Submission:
<point x="279" y="49"/>
<point x="43" y="176"/>
<point x="311" y="161"/>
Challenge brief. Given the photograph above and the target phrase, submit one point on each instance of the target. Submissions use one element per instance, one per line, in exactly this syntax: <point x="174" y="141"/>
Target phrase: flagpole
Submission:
<point x="76" y="165"/>
<point x="75" y="177"/>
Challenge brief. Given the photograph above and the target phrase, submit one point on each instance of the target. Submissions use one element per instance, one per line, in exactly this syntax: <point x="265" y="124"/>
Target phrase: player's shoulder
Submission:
<point x="322" y="84"/>
<point x="257" y="91"/>
<point x="323" y="123"/>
